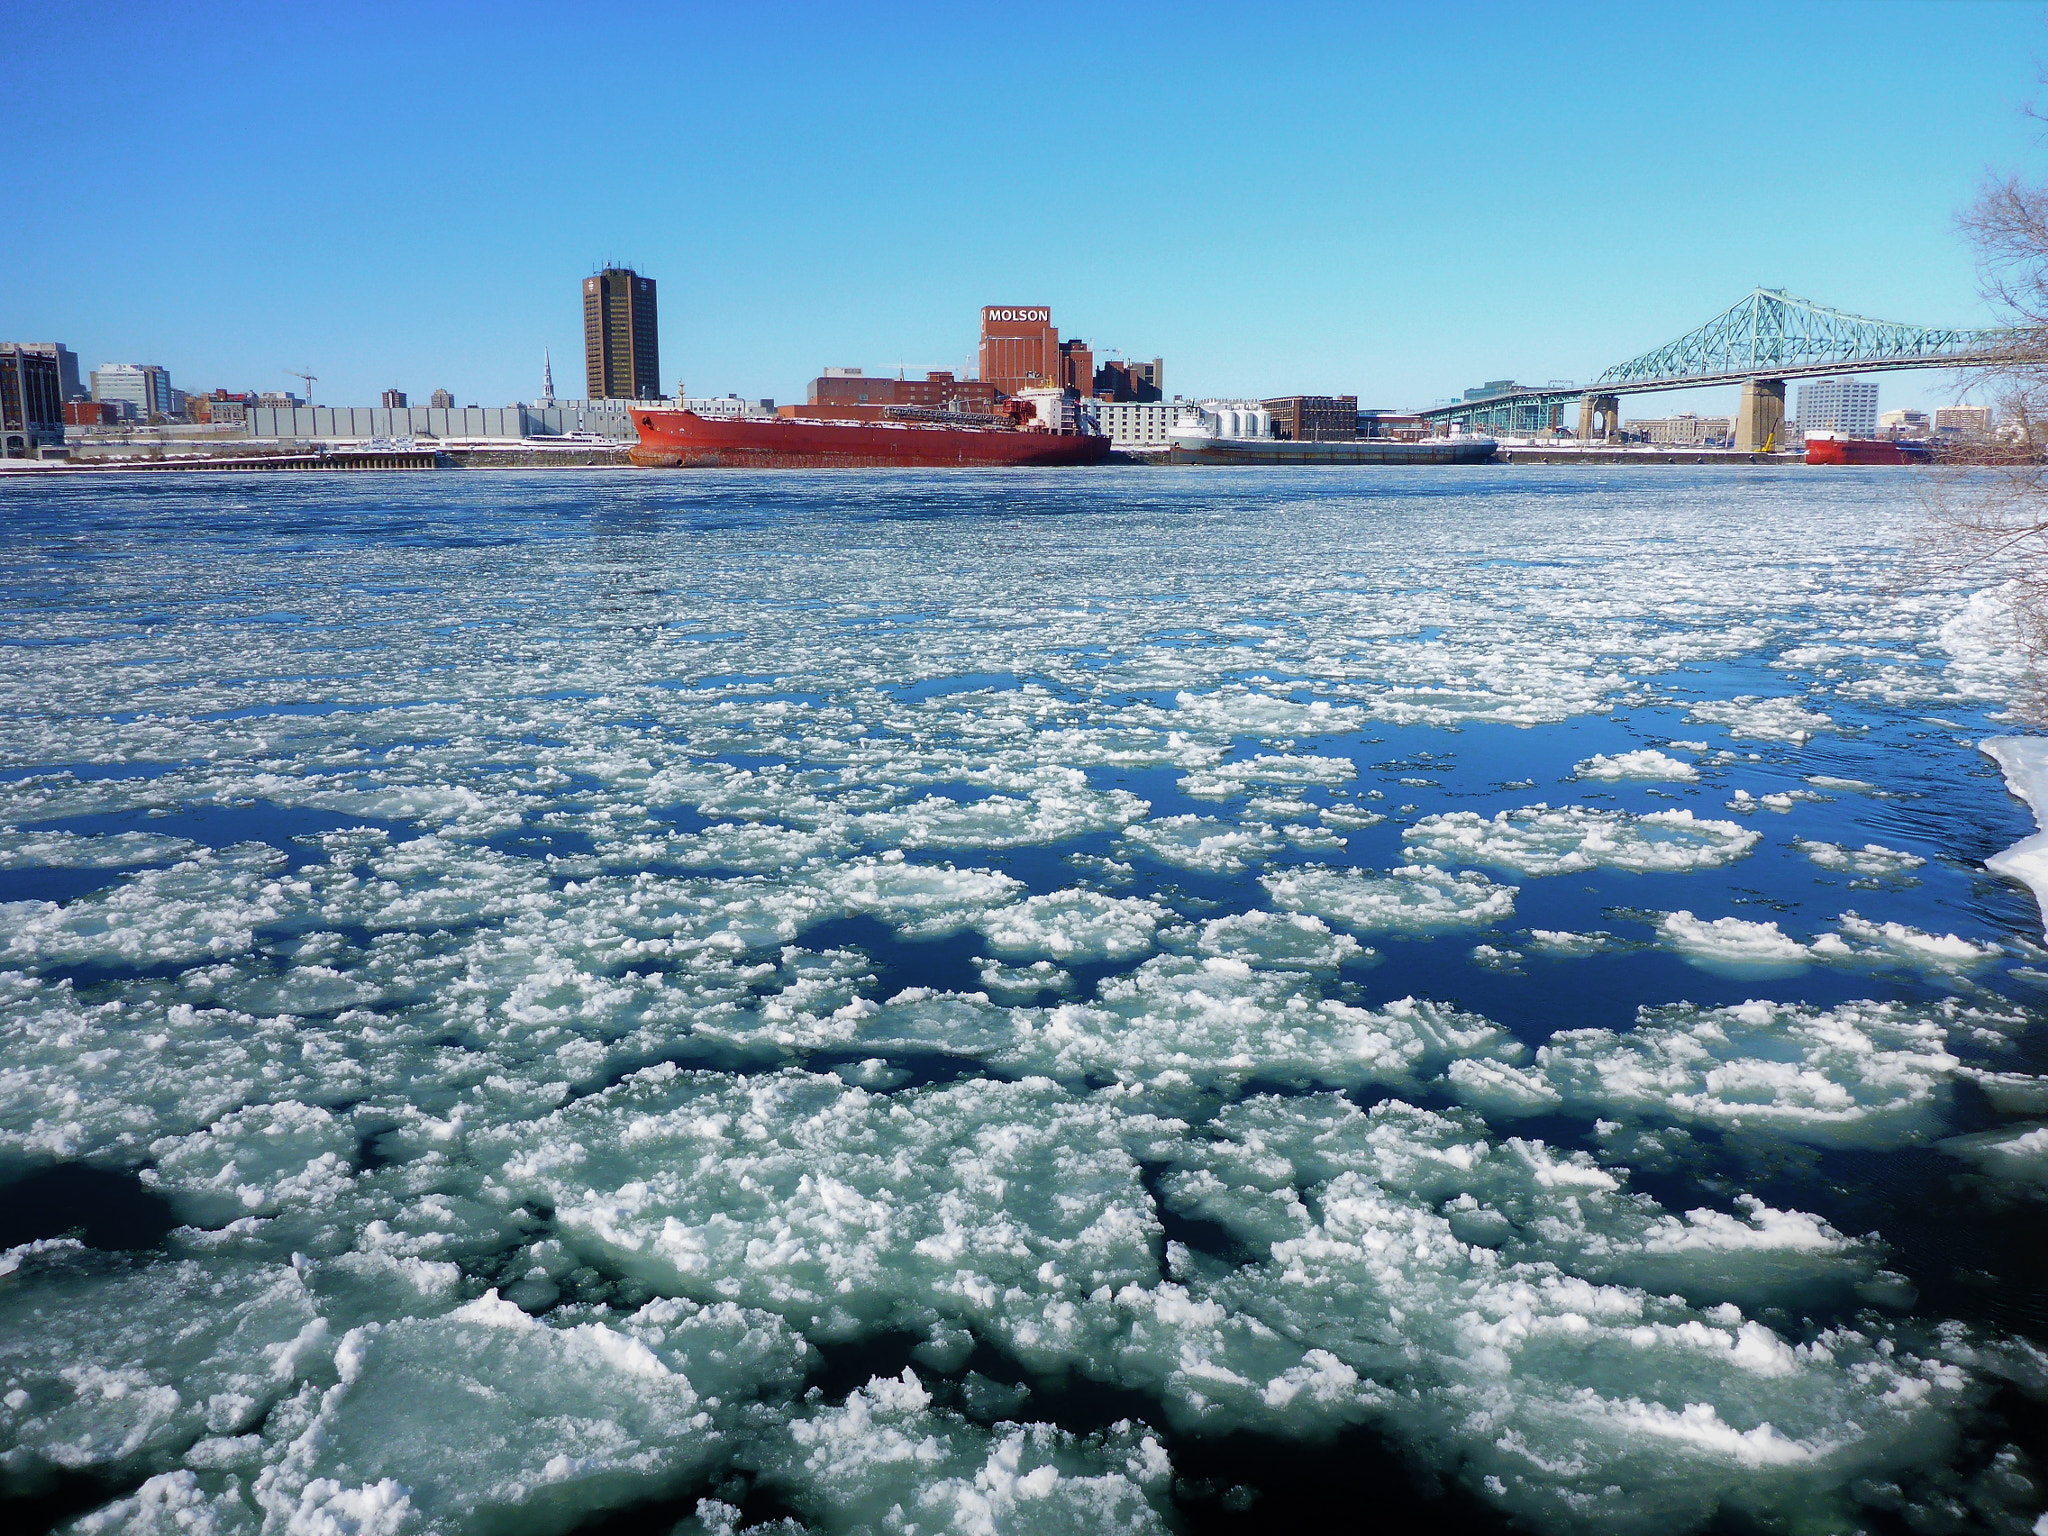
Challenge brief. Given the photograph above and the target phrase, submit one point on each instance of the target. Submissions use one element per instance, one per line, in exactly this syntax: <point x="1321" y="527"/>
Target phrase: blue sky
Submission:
<point x="1395" y="202"/>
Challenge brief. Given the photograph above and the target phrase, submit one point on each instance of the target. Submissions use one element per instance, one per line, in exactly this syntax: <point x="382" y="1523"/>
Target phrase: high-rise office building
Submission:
<point x="1840" y="405"/>
<point x="621" y="343"/>
<point x="441" y="400"/>
<point x="141" y="391"/>
<point x="394" y="399"/>
<point x="67" y="367"/>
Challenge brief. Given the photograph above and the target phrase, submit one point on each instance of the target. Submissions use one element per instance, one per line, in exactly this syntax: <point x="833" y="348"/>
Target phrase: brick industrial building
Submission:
<point x="1315" y="418"/>
<point x="839" y="388"/>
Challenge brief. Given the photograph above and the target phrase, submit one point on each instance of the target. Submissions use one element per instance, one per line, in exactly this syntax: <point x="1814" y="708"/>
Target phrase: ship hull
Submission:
<point x="1365" y="450"/>
<point x="683" y="439"/>
<point x="1864" y="450"/>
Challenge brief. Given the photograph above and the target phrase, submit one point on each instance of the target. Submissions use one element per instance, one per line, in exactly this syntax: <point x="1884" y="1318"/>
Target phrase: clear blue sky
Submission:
<point x="1395" y="202"/>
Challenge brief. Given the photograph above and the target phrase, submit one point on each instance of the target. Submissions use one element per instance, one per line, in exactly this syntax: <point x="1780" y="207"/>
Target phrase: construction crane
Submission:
<point x="310" y="379"/>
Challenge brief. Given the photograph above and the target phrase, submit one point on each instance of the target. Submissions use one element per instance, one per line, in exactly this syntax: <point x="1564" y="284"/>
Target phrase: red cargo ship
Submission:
<point x="670" y="439"/>
<point x="1841" y="448"/>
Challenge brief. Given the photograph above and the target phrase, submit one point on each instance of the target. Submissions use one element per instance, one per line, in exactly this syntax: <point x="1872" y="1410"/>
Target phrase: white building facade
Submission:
<point x="1963" y="420"/>
<point x="1136" y="426"/>
<point x="1840" y="405"/>
<point x="140" y="391"/>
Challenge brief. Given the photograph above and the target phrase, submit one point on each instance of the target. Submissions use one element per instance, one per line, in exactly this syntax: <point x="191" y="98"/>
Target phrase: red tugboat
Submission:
<point x="1824" y="447"/>
<point x="1035" y="432"/>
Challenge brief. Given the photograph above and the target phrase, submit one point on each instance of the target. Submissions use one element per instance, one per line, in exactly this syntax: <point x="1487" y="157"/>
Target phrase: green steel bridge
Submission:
<point x="1759" y="343"/>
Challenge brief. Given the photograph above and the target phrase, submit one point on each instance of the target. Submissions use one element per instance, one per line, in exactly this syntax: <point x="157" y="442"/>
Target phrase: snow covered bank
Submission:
<point x="2025" y="761"/>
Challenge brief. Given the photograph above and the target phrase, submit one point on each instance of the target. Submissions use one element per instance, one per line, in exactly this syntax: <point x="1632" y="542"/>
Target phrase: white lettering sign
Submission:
<point x="1021" y="316"/>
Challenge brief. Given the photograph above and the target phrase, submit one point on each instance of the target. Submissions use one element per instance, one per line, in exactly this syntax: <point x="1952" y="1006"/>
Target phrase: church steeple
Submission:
<point x="547" y="378"/>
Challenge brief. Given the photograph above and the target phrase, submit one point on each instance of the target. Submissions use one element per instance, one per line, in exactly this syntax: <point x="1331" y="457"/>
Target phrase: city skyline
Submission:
<point x="1436" y="234"/>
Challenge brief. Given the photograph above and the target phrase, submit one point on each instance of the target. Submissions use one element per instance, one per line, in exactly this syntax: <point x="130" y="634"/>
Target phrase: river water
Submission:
<point x="1107" y="1000"/>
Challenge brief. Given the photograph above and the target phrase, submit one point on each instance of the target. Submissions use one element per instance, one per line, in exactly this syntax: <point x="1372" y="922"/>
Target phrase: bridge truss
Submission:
<point x="1768" y="334"/>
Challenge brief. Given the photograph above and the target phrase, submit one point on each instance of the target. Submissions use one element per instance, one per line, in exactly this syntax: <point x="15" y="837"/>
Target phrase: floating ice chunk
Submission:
<point x="918" y="899"/>
<point x="1943" y="951"/>
<point x="756" y="845"/>
<point x="1000" y="821"/>
<point x="1234" y="778"/>
<point x="1238" y="711"/>
<point x="1873" y="864"/>
<point x="1179" y="1027"/>
<point x="1732" y="941"/>
<point x="1284" y="941"/>
<point x="256" y="1161"/>
<point x="887" y="1460"/>
<point x="1859" y="1074"/>
<point x="1024" y="980"/>
<point x="1348" y="818"/>
<point x="1750" y="718"/>
<point x="2024" y="761"/>
<point x="1645" y="763"/>
<point x="1539" y="840"/>
<point x="1469" y="1284"/>
<point x="70" y="850"/>
<point x="2013" y="1155"/>
<point x="551" y="1422"/>
<point x="1414" y="898"/>
<point x="1204" y="843"/>
<point x="204" y="908"/>
<point x="111" y="1367"/>
<point x="1073" y="925"/>
<point x="1562" y="942"/>
<point x="1847" y="786"/>
<point x="991" y="1205"/>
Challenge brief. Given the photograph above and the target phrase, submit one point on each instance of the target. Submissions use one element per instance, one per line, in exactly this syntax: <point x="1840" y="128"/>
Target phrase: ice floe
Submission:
<point x="1540" y="840"/>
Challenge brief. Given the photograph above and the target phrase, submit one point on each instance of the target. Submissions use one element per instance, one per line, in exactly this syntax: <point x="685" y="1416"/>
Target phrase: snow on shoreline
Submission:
<point x="2024" y="760"/>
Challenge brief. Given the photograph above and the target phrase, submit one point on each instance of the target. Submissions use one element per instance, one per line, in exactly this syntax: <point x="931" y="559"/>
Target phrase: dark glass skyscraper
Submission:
<point x="621" y="346"/>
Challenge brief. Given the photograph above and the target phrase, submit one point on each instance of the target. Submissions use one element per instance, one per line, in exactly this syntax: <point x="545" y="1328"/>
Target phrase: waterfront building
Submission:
<point x="68" y="387"/>
<point x="1121" y="380"/>
<point x="31" y="398"/>
<point x="1903" y="423"/>
<point x="1685" y="430"/>
<point x="139" y="391"/>
<point x="1314" y="418"/>
<point x="1838" y="405"/>
<point x="394" y="400"/>
<point x="725" y="406"/>
<point x="276" y="400"/>
<point x="1971" y="421"/>
<point x="90" y="413"/>
<point x="441" y="400"/>
<point x="608" y="419"/>
<point x="1077" y="367"/>
<point x="938" y="390"/>
<point x="621" y="344"/>
<point x="1401" y="426"/>
<point x="1136" y="424"/>
<point x="1020" y="347"/>
<point x="220" y="409"/>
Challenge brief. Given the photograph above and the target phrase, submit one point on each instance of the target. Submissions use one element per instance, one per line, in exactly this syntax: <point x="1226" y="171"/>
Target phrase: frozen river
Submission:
<point x="1105" y="1001"/>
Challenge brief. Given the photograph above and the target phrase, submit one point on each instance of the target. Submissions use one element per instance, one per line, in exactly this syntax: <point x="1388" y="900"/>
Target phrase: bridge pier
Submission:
<point x="1760" y="417"/>
<point x="1599" y="416"/>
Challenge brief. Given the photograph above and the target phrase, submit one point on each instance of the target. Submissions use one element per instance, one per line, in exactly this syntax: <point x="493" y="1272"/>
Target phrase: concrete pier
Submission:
<point x="1760" y="416"/>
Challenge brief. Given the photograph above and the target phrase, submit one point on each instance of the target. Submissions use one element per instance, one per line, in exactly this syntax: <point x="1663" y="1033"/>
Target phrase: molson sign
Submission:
<point x="996" y="315"/>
